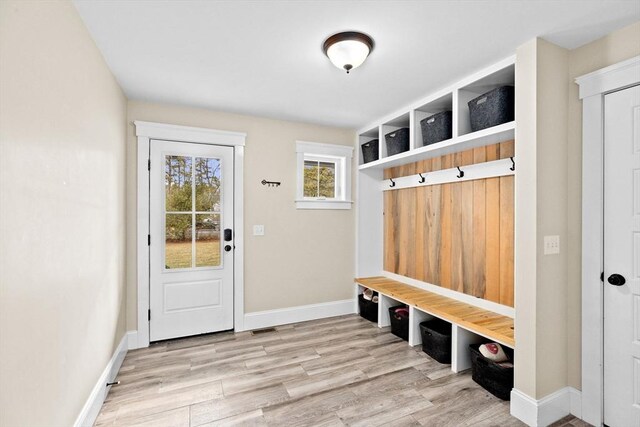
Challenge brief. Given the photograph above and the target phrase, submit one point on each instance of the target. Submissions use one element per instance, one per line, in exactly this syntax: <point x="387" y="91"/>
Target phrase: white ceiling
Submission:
<point x="264" y="57"/>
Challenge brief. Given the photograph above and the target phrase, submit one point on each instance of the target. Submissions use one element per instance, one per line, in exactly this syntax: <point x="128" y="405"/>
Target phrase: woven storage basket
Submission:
<point x="492" y="108"/>
<point x="397" y="141"/>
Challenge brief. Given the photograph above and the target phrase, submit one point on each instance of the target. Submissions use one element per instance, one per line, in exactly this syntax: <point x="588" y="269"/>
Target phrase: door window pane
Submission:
<point x="207" y="178"/>
<point x="207" y="240"/>
<point x="178" y="238"/>
<point x="177" y="177"/>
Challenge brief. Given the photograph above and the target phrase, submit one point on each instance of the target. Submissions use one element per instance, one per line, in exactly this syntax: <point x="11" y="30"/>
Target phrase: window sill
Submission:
<point x="323" y="204"/>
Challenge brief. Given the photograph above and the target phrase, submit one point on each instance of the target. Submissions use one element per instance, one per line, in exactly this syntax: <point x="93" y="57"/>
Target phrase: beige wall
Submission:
<point x="62" y="215"/>
<point x="305" y="256"/>
<point x="549" y="153"/>
<point x="541" y="206"/>
<point x="617" y="46"/>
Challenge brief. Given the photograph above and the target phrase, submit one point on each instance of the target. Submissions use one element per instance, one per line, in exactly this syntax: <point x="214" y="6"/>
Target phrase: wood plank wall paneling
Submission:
<point x="456" y="235"/>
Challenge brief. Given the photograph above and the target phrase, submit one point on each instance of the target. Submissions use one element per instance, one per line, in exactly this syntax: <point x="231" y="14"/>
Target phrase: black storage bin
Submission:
<point x="370" y="151"/>
<point x="436" y="128"/>
<point x="493" y="108"/>
<point x="397" y="141"/>
<point x="368" y="309"/>
<point x="399" y="324"/>
<point x="496" y="379"/>
<point x="436" y="339"/>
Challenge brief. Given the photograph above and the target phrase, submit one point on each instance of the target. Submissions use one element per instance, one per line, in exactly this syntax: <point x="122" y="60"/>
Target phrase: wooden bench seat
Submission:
<point x="483" y="322"/>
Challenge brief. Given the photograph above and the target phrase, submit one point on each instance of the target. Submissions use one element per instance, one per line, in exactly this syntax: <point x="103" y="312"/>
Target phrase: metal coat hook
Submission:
<point x="422" y="178"/>
<point x="393" y="184"/>
<point x="514" y="164"/>
<point x="270" y="183"/>
<point x="460" y="172"/>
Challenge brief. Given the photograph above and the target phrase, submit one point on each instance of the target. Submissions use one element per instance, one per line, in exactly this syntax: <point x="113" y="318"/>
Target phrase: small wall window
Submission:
<point x="324" y="176"/>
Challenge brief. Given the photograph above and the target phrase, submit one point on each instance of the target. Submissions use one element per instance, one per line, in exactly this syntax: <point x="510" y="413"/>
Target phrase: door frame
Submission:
<point x="146" y="133"/>
<point x="593" y="87"/>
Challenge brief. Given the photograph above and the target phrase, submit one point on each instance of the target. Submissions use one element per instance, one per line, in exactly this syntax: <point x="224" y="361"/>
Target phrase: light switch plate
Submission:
<point x="551" y="245"/>
<point x="258" y="230"/>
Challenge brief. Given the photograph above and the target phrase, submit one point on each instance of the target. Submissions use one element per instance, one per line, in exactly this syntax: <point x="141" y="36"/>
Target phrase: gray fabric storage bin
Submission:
<point x="370" y="151"/>
<point x="397" y="141"/>
<point x="492" y="108"/>
<point x="436" y="128"/>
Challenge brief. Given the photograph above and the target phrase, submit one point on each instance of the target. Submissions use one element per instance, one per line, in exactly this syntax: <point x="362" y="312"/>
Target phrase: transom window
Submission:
<point x="324" y="176"/>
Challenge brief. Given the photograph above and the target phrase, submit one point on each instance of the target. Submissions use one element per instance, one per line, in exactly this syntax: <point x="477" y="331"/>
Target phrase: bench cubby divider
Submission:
<point x="415" y="318"/>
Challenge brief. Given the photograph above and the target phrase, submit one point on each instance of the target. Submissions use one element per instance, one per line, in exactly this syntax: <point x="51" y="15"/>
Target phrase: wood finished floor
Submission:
<point x="331" y="372"/>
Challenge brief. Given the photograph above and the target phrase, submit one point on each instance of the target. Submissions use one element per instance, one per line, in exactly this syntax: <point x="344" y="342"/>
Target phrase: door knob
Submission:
<point x="616" y="280"/>
<point x="227" y="248"/>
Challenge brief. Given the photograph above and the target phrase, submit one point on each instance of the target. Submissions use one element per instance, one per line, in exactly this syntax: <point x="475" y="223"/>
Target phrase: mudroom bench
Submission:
<point x="469" y="324"/>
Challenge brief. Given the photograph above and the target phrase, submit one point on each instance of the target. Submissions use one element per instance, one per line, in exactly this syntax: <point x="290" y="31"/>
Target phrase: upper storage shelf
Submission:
<point x="459" y="136"/>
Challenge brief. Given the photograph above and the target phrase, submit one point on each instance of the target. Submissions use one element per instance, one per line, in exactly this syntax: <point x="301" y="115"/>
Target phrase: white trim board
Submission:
<point x="490" y="169"/>
<point x="545" y="411"/>
<point x="593" y="87"/>
<point x="146" y="133"/>
<point x="303" y="313"/>
<point x="94" y="402"/>
<point x="132" y="340"/>
<point x="170" y="132"/>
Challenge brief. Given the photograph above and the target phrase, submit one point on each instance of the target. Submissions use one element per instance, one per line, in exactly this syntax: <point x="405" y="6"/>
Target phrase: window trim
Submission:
<point x="342" y="156"/>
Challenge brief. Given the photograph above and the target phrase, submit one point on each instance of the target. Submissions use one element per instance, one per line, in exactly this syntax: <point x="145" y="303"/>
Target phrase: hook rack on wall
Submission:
<point x="490" y="169"/>
<point x="513" y="167"/>
<point x="271" y="183"/>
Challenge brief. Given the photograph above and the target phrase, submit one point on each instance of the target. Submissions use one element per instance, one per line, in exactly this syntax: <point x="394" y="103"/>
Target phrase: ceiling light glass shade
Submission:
<point x="348" y="50"/>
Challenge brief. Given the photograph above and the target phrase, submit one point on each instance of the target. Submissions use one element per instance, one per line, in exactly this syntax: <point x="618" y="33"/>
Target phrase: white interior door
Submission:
<point x="191" y="246"/>
<point x="622" y="258"/>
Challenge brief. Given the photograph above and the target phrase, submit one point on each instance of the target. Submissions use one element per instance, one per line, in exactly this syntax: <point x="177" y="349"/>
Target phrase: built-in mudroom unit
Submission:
<point x="435" y="220"/>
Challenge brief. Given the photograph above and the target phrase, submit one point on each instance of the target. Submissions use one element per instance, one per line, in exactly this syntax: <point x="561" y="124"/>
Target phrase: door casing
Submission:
<point x="146" y="132"/>
<point x="593" y="87"/>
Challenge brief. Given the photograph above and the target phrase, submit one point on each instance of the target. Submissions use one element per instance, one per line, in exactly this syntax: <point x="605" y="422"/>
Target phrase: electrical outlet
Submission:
<point x="258" y="230"/>
<point x="551" y="245"/>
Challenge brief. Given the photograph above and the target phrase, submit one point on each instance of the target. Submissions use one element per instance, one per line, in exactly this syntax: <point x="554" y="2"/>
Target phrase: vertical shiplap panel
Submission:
<point x="492" y="239"/>
<point x="479" y="229"/>
<point x="506" y="240"/>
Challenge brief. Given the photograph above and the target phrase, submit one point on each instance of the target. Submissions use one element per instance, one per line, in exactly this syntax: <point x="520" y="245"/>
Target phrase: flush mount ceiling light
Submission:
<point x="348" y="50"/>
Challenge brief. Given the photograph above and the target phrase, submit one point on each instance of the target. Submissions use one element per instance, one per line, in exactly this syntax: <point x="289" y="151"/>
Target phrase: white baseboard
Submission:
<point x="132" y="340"/>
<point x="92" y="406"/>
<point x="283" y="316"/>
<point x="545" y="411"/>
<point x="575" y="397"/>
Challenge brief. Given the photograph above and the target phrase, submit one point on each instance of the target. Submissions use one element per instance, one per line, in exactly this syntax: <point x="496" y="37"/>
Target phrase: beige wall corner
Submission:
<point x="306" y="256"/>
<point x="549" y="153"/>
<point x="526" y="218"/>
<point x="611" y="49"/>
<point x="551" y="277"/>
<point x="62" y="213"/>
<point x="541" y="186"/>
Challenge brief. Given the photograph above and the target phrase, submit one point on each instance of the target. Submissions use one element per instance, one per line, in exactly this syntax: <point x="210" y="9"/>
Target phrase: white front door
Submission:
<point x="191" y="239"/>
<point x="622" y="258"/>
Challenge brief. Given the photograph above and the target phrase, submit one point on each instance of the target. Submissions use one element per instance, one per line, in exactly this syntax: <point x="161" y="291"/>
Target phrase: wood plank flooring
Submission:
<point x="331" y="372"/>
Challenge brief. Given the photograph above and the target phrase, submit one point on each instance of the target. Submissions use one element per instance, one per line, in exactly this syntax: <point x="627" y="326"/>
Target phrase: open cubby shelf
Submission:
<point x="453" y="98"/>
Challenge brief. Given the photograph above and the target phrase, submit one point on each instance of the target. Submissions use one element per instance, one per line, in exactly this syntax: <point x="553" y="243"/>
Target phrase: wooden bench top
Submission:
<point x="484" y="322"/>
